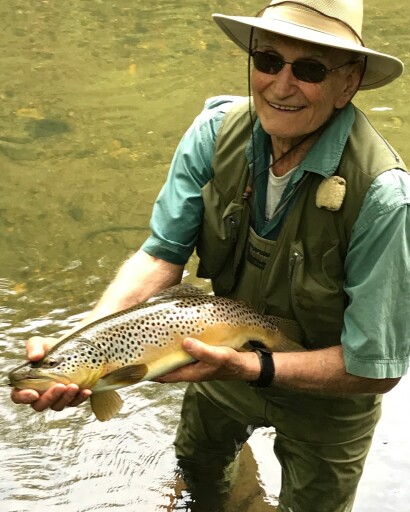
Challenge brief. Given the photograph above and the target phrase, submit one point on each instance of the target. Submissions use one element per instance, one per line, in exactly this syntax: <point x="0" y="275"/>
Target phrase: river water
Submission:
<point x="94" y="97"/>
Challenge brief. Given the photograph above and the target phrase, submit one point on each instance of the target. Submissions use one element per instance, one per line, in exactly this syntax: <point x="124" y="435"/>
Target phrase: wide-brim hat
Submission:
<point x="332" y="23"/>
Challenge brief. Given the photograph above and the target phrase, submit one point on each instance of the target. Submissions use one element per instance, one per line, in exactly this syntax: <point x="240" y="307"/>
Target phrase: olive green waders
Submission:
<point x="321" y="442"/>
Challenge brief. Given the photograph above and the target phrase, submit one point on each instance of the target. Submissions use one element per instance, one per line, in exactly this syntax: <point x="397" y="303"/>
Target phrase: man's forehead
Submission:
<point x="264" y="38"/>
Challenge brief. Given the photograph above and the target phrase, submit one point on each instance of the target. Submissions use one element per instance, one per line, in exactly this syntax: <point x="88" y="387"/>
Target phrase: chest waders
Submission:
<point x="321" y="442"/>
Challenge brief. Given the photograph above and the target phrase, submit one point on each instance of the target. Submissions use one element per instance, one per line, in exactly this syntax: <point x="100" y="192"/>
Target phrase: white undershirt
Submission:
<point x="276" y="186"/>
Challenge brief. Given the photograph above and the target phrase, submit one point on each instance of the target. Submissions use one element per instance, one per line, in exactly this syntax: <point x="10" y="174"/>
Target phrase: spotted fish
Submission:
<point x="144" y="342"/>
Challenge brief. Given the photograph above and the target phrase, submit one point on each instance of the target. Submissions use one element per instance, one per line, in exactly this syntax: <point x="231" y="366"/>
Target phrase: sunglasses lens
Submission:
<point x="304" y="70"/>
<point x="309" y="71"/>
<point x="267" y="62"/>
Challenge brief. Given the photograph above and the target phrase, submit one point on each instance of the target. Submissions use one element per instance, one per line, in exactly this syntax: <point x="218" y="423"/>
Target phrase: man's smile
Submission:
<point x="287" y="108"/>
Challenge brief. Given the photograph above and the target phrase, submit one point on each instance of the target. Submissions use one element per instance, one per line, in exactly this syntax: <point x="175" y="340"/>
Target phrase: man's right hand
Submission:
<point x="58" y="396"/>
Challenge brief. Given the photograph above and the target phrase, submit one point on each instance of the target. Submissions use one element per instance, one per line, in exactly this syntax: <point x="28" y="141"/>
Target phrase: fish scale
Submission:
<point x="144" y="342"/>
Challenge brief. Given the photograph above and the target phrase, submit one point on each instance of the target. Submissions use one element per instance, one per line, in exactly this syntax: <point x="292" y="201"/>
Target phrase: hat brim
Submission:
<point x="381" y="69"/>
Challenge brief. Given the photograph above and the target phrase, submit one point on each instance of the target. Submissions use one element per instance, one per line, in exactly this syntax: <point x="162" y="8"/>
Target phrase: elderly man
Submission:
<point x="297" y="204"/>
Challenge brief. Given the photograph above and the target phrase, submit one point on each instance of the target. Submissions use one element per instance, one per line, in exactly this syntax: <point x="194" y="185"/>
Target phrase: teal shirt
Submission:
<point x="376" y="333"/>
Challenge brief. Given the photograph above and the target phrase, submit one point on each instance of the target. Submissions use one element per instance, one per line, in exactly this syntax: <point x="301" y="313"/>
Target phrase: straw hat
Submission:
<point x="334" y="23"/>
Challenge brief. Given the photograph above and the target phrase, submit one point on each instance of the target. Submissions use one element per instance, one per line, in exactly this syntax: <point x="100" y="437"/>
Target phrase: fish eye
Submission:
<point x="51" y="363"/>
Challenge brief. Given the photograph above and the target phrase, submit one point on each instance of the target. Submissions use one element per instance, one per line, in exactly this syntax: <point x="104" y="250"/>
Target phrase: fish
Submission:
<point x="143" y="342"/>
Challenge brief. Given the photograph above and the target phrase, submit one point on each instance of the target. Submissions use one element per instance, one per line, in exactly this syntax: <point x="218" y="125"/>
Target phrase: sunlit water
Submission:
<point x="93" y="99"/>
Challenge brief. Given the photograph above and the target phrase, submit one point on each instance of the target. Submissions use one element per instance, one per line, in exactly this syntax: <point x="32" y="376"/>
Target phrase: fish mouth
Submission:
<point x="36" y="382"/>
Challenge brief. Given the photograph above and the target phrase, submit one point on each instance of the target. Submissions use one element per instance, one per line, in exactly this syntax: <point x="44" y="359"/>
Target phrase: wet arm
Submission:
<point x="139" y="278"/>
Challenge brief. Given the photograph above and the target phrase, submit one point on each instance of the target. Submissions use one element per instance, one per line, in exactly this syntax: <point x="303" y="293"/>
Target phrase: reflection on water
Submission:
<point x="70" y="462"/>
<point x="93" y="99"/>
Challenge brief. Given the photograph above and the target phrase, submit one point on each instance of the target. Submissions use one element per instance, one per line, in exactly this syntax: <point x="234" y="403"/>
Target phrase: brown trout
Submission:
<point x="144" y="342"/>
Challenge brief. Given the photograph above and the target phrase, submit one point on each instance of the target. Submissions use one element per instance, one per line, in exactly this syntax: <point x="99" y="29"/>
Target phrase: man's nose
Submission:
<point x="285" y="79"/>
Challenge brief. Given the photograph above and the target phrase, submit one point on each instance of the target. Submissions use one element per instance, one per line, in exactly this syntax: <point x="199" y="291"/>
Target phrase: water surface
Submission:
<point x="93" y="100"/>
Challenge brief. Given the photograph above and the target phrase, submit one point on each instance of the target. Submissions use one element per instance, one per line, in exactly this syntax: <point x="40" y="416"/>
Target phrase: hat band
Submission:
<point x="309" y="18"/>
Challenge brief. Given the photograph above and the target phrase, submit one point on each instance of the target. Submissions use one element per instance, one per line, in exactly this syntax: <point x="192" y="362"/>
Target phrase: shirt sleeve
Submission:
<point x="178" y="210"/>
<point x="375" y="338"/>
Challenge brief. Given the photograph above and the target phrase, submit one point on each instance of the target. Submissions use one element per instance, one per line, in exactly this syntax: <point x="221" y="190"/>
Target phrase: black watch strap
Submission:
<point x="267" y="373"/>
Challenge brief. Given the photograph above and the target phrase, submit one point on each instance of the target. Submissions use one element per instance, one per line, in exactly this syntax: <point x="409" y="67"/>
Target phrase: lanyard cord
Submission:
<point x="252" y="177"/>
<point x="247" y="195"/>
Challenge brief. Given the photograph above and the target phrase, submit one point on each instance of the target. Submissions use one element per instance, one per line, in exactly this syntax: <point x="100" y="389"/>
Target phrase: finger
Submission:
<point x="72" y="397"/>
<point x="80" y="397"/>
<point x="25" y="396"/>
<point x="187" y="373"/>
<point x="49" y="398"/>
<point x="205" y="353"/>
<point x="37" y="346"/>
<point x="194" y="346"/>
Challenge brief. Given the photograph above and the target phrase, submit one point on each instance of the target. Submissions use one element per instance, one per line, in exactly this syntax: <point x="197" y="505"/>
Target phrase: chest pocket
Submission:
<point x="316" y="276"/>
<point x="222" y="239"/>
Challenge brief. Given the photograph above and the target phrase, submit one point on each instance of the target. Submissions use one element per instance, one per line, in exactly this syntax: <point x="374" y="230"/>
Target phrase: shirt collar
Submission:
<point x="323" y="157"/>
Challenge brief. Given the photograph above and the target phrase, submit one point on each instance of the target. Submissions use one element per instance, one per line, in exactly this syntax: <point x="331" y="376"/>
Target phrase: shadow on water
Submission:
<point x="94" y="98"/>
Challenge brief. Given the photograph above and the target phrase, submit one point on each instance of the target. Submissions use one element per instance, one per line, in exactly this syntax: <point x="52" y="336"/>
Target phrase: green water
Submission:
<point x="94" y="97"/>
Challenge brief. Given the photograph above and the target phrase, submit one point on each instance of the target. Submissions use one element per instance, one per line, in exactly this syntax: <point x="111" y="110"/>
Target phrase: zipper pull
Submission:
<point x="295" y="255"/>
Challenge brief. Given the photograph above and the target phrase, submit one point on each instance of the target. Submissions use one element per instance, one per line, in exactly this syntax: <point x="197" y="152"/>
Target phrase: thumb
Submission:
<point x="192" y="345"/>
<point x="199" y="350"/>
<point x="37" y="346"/>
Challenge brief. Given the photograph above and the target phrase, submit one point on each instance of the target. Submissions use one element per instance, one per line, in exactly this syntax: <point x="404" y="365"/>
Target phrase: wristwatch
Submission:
<point x="267" y="373"/>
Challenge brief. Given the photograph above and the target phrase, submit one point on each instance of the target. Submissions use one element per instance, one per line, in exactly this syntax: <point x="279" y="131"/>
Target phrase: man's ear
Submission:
<point x="353" y="76"/>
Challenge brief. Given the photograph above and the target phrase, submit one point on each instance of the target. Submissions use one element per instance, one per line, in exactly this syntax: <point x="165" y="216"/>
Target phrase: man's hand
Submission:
<point x="214" y="363"/>
<point x="58" y="396"/>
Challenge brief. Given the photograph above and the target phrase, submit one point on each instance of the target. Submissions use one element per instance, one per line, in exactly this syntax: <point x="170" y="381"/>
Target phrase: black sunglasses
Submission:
<point x="303" y="69"/>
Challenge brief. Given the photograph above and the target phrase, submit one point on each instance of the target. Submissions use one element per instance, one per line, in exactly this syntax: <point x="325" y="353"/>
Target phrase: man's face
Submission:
<point x="289" y="108"/>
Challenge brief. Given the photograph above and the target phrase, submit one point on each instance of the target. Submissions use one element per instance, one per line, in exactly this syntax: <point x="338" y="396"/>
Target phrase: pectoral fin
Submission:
<point x="125" y="376"/>
<point x="106" y="404"/>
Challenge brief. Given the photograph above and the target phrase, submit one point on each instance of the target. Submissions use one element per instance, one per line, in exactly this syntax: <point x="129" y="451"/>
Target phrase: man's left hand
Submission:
<point x="214" y="363"/>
